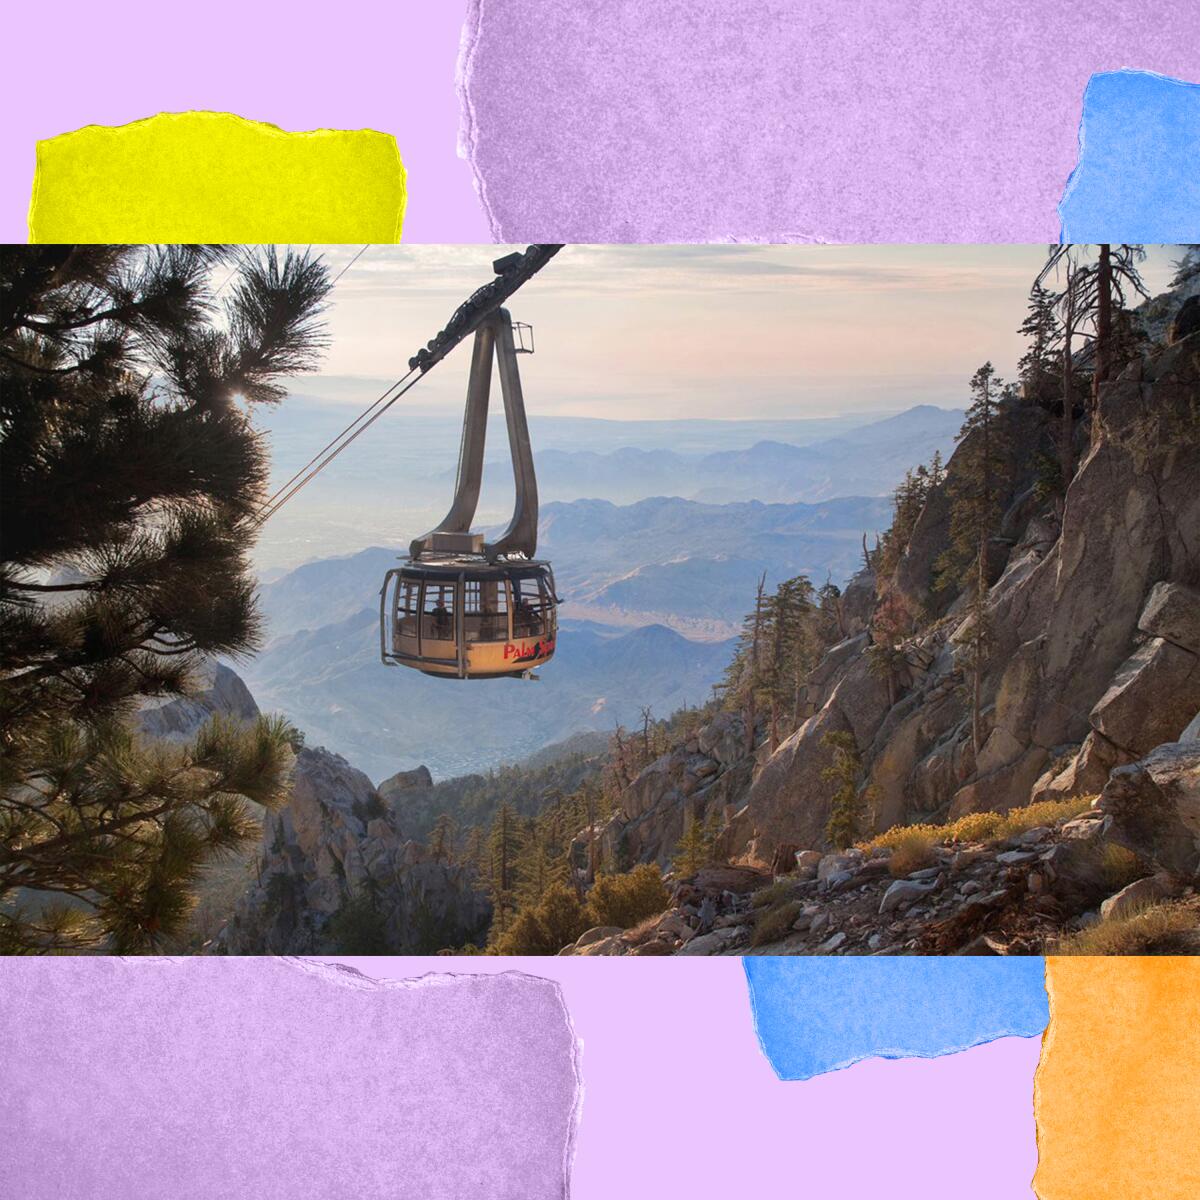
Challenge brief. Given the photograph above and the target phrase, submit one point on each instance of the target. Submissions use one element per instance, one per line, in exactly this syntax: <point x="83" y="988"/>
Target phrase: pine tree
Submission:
<point x="743" y="676"/>
<point x="441" y="839"/>
<point x="474" y="855"/>
<point x="697" y="847"/>
<point x="908" y="502"/>
<point x="504" y="849"/>
<point x="1187" y="266"/>
<point x="831" y="626"/>
<point x="691" y="853"/>
<point x="1092" y="292"/>
<point x="1114" y="269"/>
<point x="130" y="484"/>
<point x="647" y="714"/>
<point x="788" y="614"/>
<point x="1040" y="327"/>
<point x="620" y="758"/>
<point x="983" y="473"/>
<point x="541" y="863"/>
<point x="845" y="813"/>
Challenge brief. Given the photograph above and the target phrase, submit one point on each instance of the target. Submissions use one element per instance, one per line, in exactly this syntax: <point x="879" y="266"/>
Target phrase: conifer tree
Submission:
<point x="937" y="471"/>
<point x="697" y="847"/>
<point x="1040" y="327"/>
<point x="788" y="615"/>
<point x="908" y="501"/>
<point x="504" y="849"/>
<point x="1092" y="292"/>
<point x="845" y="814"/>
<point x="983" y="472"/>
<point x="831" y="627"/>
<point x="130" y="484"/>
<point x="542" y="863"/>
<point x="441" y="839"/>
<point x="1187" y="266"/>
<point x="474" y="856"/>
<point x="743" y="676"/>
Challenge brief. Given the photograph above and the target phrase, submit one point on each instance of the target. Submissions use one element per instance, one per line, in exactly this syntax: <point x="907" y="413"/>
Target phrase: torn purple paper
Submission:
<point x="767" y="120"/>
<point x="281" y="1080"/>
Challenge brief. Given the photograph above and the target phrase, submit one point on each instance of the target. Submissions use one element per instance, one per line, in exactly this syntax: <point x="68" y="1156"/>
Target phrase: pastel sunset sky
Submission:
<point x="712" y="331"/>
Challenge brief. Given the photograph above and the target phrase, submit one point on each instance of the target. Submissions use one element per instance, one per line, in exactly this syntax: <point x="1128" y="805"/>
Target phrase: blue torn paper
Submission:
<point x="1138" y="178"/>
<point x="814" y="1015"/>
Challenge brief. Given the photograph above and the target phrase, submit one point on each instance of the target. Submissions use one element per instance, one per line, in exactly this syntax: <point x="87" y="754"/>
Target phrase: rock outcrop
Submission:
<point x="703" y="776"/>
<point x="337" y="875"/>
<point x="1154" y="807"/>
<point x="218" y="691"/>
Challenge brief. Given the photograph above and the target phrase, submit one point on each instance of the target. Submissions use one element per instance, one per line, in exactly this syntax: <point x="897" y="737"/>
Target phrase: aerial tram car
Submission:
<point x="460" y="606"/>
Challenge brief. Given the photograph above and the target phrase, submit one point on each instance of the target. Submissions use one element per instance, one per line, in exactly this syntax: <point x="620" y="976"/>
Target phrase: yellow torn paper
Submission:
<point x="1117" y="1093"/>
<point x="216" y="177"/>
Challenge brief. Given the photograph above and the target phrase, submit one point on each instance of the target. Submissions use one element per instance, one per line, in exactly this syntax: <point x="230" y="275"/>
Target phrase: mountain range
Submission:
<point x="857" y="462"/>
<point x="692" y="567"/>
<point x="398" y="481"/>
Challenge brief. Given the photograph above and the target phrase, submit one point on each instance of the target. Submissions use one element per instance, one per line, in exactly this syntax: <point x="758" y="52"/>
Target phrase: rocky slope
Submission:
<point x="1093" y="678"/>
<point x="333" y="872"/>
<point x="1134" y="846"/>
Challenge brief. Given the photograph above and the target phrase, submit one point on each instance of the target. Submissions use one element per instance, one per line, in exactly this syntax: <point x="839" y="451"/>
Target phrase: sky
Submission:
<point x="712" y="331"/>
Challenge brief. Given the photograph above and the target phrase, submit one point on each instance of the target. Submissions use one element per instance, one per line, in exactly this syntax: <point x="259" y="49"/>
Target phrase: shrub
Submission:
<point x="911" y="853"/>
<point x="773" y="894"/>
<point x="1045" y="812"/>
<point x="555" y="921"/>
<point x="624" y="900"/>
<point x="776" y="922"/>
<point x="358" y="927"/>
<point x="985" y="826"/>
<point x="977" y="827"/>
<point x="1137" y="933"/>
<point x="561" y="915"/>
<point x="523" y="936"/>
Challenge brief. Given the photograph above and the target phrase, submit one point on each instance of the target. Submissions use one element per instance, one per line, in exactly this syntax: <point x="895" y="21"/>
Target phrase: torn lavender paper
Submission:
<point x="218" y="1079"/>
<point x="767" y="120"/>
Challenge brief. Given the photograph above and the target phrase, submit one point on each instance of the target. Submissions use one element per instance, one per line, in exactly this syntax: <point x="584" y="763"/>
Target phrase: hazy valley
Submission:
<point x="654" y="584"/>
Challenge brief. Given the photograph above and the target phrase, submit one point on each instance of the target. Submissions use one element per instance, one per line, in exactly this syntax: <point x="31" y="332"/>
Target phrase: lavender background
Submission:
<point x="219" y="1079"/>
<point x="203" y="1078"/>
<point x="877" y="121"/>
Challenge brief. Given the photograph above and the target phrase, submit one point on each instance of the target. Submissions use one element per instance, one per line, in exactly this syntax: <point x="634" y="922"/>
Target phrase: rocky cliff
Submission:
<point x="1095" y="617"/>
<point x="333" y="871"/>
<point x="336" y="874"/>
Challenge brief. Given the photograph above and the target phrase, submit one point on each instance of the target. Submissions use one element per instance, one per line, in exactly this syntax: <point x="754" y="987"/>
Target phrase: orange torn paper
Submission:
<point x="1117" y="1092"/>
<point x="216" y="177"/>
